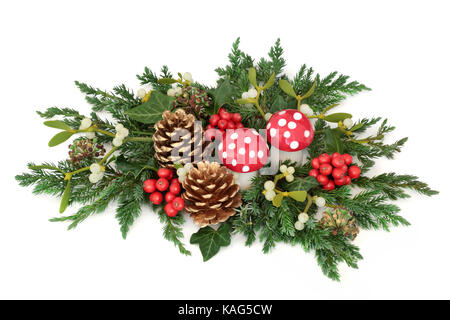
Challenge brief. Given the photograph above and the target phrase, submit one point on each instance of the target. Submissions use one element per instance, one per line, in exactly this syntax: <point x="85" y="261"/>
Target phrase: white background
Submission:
<point x="398" y="48"/>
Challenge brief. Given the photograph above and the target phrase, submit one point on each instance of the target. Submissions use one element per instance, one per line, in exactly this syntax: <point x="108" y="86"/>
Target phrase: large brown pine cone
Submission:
<point x="186" y="147"/>
<point x="211" y="194"/>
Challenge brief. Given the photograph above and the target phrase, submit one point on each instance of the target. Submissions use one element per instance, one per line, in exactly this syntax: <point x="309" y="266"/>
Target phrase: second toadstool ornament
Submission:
<point x="244" y="152"/>
<point x="289" y="132"/>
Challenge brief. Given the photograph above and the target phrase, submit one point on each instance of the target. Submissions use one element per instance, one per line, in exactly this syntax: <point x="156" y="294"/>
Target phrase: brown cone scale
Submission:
<point x="211" y="194"/>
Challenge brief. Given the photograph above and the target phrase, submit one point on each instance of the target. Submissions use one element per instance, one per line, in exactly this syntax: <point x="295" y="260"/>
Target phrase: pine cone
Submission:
<point x="193" y="100"/>
<point x="211" y="194"/>
<point x="340" y="220"/>
<point x="186" y="147"/>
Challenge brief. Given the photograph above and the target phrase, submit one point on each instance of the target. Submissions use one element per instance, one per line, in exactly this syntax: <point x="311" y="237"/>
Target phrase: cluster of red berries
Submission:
<point x="334" y="170"/>
<point x="222" y="121"/>
<point x="174" y="203"/>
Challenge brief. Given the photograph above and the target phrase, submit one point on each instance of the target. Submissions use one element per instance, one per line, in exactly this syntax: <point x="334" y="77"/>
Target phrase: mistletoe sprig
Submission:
<point x="112" y="157"/>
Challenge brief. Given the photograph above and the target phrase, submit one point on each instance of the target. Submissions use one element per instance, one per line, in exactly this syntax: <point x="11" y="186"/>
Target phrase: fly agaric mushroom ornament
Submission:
<point x="289" y="132"/>
<point x="244" y="152"/>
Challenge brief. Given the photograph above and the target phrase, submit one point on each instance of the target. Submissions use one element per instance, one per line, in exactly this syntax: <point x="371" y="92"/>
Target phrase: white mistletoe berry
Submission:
<point x="117" y="141"/>
<point x="188" y="166"/>
<point x="171" y="92"/>
<point x="187" y="76"/>
<point x="90" y="135"/>
<point x="267" y="116"/>
<point x="85" y="123"/>
<point x="181" y="178"/>
<point x="141" y="93"/>
<point x="252" y="93"/>
<point x="178" y="91"/>
<point x="121" y="131"/>
<point x="95" y="177"/>
<point x="119" y="127"/>
<point x="283" y="168"/>
<point x="348" y="123"/>
<point x="306" y="109"/>
<point x="289" y="178"/>
<point x="291" y="170"/>
<point x="270" y="195"/>
<point x="95" y="168"/>
<point x="245" y="95"/>
<point x="269" y="185"/>
<point x="320" y="202"/>
<point x="303" y="217"/>
<point x="181" y="172"/>
<point x="299" y="226"/>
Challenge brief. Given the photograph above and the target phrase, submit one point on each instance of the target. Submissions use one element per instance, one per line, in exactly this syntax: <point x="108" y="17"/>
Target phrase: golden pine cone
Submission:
<point x="187" y="146"/>
<point x="211" y="194"/>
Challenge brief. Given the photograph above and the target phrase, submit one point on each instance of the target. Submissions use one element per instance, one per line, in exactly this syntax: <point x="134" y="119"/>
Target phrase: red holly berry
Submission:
<point x="347" y="180"/>
<point x="224" y="114"/>
<point x="326" y="169"/>
<point x="170" y="210"/>
<point x="236" y="117"/>
<point x="239" y="125"/>
<point x="324" y="158"/>
<point x="231" y="125"/>
<point x="169" y="196"/>
<point x="164" y="173"/>
<point x="338" y="161"/>
<point x="174" y="180"/>
<point x="354" y="172"/>
<point x="156" y="197"/>
<point x="221" y="111"/>
<point x="162" y="184"/>
<point x="347" y="158"/>
<point x="334" y="155"/>
<point x="323" y="180"/>
<point x="340" y="182"/>
<point x="344" y="168"/>
<point x="222" y="124"/>
<point x="178" y="203"/>
<point x="214" y="119"/>
<point x="314" y="173"/>
<point x="329" y="186"/>
<point x="149" y="185"/>
<point x="175" y="188"/>
<point x="315" y="163"/>
<point x="338" y="173"/>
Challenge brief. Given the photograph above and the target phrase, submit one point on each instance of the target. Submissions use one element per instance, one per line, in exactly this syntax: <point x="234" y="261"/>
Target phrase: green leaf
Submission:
<point x="269" y="82"/>
<point x="278" y="104"/>
<point x="298" y="195"/>
<point x="303" y="184"/>
<point x="287" y="88"/>
<point x="242" y="101"/>
<point x="167" y="81"/>
<point x="333" y="140"/>
<point x="277" y="200"/>
<point x="336" y="117"/>
<point x="150" y="112"/>
<point x="210" y="240"/>
<point x="310" y="91"/>
<point x="357" y="126"/>
<point x="58" y="124"/>
<point x="224" y="94"/>
<point x="252" y="76"/>
<point x="60" y="138"/>
<point x="65" y="198"/>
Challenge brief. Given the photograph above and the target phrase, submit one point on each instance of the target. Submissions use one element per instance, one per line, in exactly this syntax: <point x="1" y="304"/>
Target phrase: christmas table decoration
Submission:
<point x="259" y="154"/>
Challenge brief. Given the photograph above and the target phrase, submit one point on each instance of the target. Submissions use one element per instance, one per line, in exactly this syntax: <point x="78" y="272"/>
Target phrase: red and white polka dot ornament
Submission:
<point x="244" y="152"/>
<point x="290" y="131"/>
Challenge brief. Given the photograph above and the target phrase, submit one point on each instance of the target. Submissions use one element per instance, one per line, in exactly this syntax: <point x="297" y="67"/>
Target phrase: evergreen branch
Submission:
<point x="149" y="77"/>
<point x="172" y="230"/>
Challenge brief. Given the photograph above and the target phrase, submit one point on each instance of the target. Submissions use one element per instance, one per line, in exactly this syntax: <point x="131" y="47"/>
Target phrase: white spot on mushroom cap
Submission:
<point x="221" y="146"/>
<point x="307" y="133"/>
<point x="252" y="154"/>
<point x="297" y="116"/>
<point x="247" y="139"/>
<point x="269" y="125"/>
<point x="282" y="112"/>
<point x="245" y="168"/>
<point x="260" y="154"/>
<point x="234" y="136"/>
<point x="241" y="151"/>
<point x="292" y="125"/>
<point x="234" y="162"/>
<point x="294" y="145"/>
<point x="273" y="132"/>
<point x="287" y="134"/>
<point x="224" y="155"/>
<point x="231" y="146"/>
<point x="282" y="122"/>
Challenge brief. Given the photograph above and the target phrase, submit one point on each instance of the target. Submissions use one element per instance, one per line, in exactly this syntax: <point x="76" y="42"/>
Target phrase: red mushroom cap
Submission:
<point x="289" y="130"/>
<point x="243" y="150"/>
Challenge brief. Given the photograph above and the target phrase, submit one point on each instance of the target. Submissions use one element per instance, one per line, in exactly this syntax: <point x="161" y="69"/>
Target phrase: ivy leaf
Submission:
<point x="210" y="240"/>
<point x="59" y="138"/>
<point x="224" y="94"/>
<point x="150" y="112"/>
<point x="336" y="117"/>
<point x="303" y="184"/>
<point x="276" y="201"/>
<point x="298" y="195"/>
<point x="252" y="76"/>
<point x="65" y="198"/>
<point x="58" y="124"/>
<point x="125" y="166"/>
<point x="287" y="88"/>
<point x="333" y="140"/>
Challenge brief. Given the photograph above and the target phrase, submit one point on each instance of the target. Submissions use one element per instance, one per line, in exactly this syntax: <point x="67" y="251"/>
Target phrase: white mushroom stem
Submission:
<point x="244" y="179"/>
<point x="278" y="156"/>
